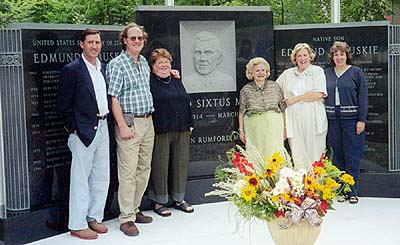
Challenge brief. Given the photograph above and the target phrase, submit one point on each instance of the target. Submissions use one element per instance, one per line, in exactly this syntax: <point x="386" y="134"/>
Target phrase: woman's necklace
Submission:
<point x="164" y="80"/>
<point x="260" y="85"/>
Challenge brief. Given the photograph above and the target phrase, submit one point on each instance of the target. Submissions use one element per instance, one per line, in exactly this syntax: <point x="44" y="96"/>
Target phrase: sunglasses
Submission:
<point x="134" y="38"/>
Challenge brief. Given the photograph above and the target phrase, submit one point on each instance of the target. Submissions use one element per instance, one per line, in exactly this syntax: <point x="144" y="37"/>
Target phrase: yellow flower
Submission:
<point x="319" y="187"/>
<point x="348" y="179"/>
<point x="331" y="183"/>
<point x="271" y="169"/>
<point x="274" y="198"/>
<point x="276" y="159"/>
<point x="252" y="180"/>
<point x="248" y="192"/>
<point x="287" y="197"/>
<point x="328" y="194"/>
<point x="309" y="184"/>
<point x="319" y="170"/>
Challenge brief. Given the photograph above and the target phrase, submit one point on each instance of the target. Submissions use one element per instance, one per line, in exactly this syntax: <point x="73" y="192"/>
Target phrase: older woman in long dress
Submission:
<point x="304" y="89"/>
<point x="261" y="124"/>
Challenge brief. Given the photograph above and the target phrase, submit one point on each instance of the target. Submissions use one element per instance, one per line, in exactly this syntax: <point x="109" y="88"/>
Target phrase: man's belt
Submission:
<point x="101" y="117"/>
<point x="146" y="115"/>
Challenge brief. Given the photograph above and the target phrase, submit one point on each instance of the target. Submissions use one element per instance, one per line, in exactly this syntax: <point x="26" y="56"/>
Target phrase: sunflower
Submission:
<point x="276" y="159"/>
<point x="253" y="180"/>
<point x="271" y="169"/>
<point x="248" y="192"/>
<point x="309" y="184"/>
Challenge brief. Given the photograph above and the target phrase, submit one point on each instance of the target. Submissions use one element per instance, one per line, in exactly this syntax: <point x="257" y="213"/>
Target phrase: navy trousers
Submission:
<point x="347" y="147"/>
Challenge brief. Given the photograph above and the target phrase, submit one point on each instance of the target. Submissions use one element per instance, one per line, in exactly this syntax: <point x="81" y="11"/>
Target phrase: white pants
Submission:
<point x="90" y="174"/>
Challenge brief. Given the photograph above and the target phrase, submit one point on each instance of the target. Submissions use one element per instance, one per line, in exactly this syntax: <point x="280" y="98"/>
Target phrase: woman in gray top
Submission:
<point x="261" y="124"/>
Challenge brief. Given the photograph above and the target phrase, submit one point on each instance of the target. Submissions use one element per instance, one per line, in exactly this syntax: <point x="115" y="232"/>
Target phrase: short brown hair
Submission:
<point x="299" y="47"/>
<point x="124" y="33"/>
<point x="157" y="53"/>
<point x="343" y="47"/>
<point x="89" y="31"/>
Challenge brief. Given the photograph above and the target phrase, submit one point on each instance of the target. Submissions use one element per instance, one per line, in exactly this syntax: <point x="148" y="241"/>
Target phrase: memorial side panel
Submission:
<point x="45" y="52"/>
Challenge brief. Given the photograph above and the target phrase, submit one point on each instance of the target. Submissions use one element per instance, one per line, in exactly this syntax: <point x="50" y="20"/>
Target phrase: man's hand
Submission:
<point x="126" y="133"/>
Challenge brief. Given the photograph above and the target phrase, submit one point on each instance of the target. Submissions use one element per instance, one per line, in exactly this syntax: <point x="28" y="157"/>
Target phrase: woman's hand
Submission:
<point x="175" y="74"/>
<point x="360" y="127"/>
<point x="290" y="100"/>
<point x="242" y="136"/>
<point x="284" y="134"/>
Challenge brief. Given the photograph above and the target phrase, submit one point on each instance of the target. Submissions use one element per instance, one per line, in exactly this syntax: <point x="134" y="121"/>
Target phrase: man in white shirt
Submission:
<point x="84" y="104"/>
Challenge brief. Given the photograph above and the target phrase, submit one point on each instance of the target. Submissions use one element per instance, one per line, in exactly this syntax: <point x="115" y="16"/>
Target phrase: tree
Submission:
<point x="364" y="10"/>
<point x="12" y="11"/>
<point x="117" y="12"/>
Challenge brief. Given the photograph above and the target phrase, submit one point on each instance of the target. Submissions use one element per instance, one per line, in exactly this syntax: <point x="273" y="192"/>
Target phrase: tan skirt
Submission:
<point x="264" y="132"/>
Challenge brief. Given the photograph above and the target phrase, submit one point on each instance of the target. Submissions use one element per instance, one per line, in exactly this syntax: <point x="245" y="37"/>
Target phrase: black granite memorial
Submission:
<point x="37" y="160"/>
<point x="36" y="156"/>
<point x="243" y="33"/>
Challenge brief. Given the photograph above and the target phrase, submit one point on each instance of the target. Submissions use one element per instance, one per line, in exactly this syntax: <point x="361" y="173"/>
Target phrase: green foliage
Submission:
<point x="364" y="10"/>
<point x="117" y="12"/>
<point x="12" y="11"/>
<point x="260" y="209"/>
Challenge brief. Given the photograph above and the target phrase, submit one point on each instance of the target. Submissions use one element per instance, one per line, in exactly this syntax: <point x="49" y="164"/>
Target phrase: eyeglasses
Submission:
<point x="134" y="38"/>
<point x="164" y="62"/>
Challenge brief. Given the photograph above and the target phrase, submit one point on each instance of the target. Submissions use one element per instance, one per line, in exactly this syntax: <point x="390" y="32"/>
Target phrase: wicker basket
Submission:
<point x="301" y="234"/>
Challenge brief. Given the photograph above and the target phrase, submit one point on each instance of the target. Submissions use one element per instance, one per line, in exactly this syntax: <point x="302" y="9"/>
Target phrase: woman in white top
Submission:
<point x="304" y="89"/>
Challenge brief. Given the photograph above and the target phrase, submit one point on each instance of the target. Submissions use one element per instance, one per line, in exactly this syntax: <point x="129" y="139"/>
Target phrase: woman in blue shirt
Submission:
<point x="346" y="108"/>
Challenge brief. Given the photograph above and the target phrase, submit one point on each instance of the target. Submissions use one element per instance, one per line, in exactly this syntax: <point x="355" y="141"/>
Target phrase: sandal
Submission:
<point x="342" y="198"/>
<point x="184" y="206"/>
<point x="353" y="199"/>
<point x="162" y="211"/>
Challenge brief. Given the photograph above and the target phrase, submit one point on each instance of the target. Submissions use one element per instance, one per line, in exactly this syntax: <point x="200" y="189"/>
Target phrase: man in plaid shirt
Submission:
<point x="128" y="75"/>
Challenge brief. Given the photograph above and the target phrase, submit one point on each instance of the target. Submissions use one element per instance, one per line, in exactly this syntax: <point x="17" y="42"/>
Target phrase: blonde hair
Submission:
<point x="252" y="63"/>
<point x="299" y="47"/>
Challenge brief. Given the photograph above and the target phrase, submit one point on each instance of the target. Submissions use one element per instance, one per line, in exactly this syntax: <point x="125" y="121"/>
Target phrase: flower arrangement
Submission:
<point x="269" y="188"/>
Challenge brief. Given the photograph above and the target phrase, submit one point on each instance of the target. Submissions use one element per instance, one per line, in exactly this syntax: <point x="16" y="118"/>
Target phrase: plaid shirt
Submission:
<point x="130" y="84"/>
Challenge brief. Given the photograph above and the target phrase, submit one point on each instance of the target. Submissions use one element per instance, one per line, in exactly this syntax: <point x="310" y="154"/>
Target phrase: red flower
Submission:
<point x="324" y="206"/>
<point x="319" y="163"/>
<point x="241" y="163"/>
<point x="279" y="214"/>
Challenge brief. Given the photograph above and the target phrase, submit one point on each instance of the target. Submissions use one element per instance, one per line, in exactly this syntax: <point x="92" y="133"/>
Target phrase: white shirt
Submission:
<point x="294" y="83"/>
<point x="99" y="85"/>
